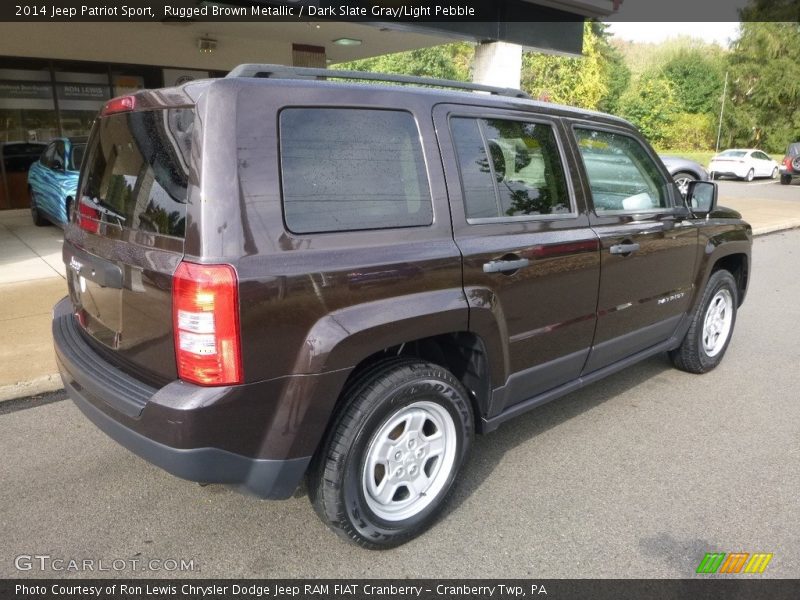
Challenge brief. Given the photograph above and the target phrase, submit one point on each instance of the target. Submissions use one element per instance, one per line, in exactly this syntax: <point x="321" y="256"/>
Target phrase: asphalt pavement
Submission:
<point x="637" y="476"/>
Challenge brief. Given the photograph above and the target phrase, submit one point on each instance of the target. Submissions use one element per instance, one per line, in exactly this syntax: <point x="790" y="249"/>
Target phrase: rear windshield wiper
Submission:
<point x="100" y="207"/>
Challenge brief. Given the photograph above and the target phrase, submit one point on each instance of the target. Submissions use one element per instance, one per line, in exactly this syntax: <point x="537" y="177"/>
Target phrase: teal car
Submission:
<point x="53" y="180"/>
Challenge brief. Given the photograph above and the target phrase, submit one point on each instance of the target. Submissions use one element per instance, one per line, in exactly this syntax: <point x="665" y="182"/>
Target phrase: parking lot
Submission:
<point x="637" y="476"/>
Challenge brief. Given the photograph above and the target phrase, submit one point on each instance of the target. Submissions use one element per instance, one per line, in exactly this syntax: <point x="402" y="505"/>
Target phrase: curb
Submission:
<point x="788" y="226"/>
<point x="39" y="385"/>
<point x="52" y="382"/>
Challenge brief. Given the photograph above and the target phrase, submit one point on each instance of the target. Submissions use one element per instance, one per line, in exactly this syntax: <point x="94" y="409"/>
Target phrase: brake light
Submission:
<point x="88" y="218"/>
<point x="205" y="322"/>
<point x="118" y="105"/>
<point x="787" y="162"/>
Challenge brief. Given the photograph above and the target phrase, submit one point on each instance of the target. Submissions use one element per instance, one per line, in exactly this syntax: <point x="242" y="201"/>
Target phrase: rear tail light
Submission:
<point x="88" y="218"/>
<point x="787" y="162"/>
<point x="205" y="322"/>
<point x="118" y="105"/>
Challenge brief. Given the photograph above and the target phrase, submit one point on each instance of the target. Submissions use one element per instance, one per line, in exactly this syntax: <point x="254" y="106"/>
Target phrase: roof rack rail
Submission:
<point x="284" y="72"/>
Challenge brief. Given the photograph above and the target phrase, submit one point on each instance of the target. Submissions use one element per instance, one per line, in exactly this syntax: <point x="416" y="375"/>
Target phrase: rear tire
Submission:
<point x="750" y="175"/>
<point x="775" y="173"/>
<point x="682" y="179"/>
<point x="386" y="468"/>
<point x="786" y="179"/>
<point x="711" y="328"/>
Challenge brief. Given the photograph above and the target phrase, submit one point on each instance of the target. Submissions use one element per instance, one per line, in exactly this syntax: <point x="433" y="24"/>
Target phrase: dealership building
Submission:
<point x="55" y="76"/>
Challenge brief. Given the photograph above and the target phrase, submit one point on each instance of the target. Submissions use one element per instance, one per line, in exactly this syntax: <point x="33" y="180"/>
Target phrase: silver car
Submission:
<point x="683" y="171"/>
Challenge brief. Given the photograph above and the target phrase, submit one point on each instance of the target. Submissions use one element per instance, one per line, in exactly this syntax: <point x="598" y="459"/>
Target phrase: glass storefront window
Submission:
<point x="27" y="108"/>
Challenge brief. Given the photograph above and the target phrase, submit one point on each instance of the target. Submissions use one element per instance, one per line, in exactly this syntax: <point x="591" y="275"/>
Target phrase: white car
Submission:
<point x="745" y="164"/>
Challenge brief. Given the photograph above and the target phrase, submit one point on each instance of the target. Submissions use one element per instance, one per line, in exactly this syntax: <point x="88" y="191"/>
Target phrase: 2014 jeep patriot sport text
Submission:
<point x="273" y="276"/>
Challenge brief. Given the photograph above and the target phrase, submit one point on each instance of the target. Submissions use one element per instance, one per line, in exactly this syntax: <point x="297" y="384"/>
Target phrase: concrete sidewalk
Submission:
<point x="32" y="280"/>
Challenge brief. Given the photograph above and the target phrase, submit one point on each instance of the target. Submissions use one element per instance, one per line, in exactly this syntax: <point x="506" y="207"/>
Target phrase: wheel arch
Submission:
<point x="463" y="353"/>
<point x="738" y="265"/>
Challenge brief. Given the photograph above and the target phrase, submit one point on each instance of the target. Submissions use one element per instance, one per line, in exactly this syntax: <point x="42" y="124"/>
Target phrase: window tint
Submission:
<point x="137" y="172"/>
<point x="509" y="168"/>
<point x="76" y="156"/>
<point x="350" y="169"/>
<point x="733" y="153"/>
<point x="47" y="157"/>
<point x="59" y="160"/>
<point x="622" y="176"/>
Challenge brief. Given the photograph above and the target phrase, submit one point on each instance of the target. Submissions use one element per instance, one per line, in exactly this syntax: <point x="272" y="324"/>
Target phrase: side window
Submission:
<point x="622" y="177"/>
<point x="509" y="168"/>
<point x="47" y="157"/>
<point x="350" y="169"/>
<point x="59" y="158"/>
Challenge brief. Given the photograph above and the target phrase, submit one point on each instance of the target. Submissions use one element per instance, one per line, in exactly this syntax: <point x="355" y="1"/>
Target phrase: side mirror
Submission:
<point x="701" y="197"/>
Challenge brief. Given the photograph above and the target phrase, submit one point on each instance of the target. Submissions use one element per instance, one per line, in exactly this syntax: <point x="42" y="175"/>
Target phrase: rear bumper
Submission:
<point x="728" y="171"/>
<point x="265" y="478"/>
<point x="257" y="436"/>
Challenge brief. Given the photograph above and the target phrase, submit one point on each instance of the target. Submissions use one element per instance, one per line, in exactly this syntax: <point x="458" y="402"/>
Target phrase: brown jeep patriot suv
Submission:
<point x="274" y="276"/>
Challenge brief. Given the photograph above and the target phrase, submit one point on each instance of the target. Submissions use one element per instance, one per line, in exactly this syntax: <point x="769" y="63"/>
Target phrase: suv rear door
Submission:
<point x="648" y="243"/>
<point x="531" y="262"/>
<point x="129" y="238"/>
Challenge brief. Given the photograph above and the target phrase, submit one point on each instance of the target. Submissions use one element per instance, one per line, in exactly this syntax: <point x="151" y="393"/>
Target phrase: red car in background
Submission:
<point x="790" y="167"/>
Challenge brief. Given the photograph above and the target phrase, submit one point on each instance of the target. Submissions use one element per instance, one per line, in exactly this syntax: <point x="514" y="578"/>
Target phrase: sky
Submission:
<point x="721" y="33"/>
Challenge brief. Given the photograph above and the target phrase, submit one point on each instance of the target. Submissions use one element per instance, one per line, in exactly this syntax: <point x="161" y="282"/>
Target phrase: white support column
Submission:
<point x="497" y="63"/>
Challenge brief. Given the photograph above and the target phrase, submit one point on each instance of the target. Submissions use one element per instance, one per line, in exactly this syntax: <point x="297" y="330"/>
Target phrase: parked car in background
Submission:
<point x="791" y="164"/>
<point x="53" y="180"/>
<point x="683" y="171"/>
<point x="747" y="164"/>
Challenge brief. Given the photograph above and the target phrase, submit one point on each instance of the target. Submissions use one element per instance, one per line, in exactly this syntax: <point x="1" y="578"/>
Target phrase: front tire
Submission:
<point x="36" y="216"/>
<point x="712" y="326"/>
<point x="389" y="462"/>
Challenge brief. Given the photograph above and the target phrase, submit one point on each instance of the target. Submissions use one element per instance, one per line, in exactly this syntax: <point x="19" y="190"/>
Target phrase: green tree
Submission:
<point x="617" y="74"/>
<point x="450" y="61"/>
<point x="771" y="10"/>
<point x="580" y="81"/>
<point x="697" y="77"/>
<point x="765" y="86"/>
<point x="690" y="131"/>
<point x="651" y="106"/>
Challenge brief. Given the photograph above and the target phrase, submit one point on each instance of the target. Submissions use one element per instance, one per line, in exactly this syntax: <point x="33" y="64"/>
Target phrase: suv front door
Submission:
<point x="648" y="244"/>
<point x="530" y="260"/>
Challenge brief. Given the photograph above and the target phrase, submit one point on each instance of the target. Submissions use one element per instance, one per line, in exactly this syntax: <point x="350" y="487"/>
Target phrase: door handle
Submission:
<point x="503" y="266"/>
<point x="624" y="249"/>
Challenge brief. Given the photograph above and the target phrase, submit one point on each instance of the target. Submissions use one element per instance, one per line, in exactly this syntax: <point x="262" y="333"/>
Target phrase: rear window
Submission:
<point x="137" y="172"/>
<point x="733" y="153"/>
<point x="351" y="169"/>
